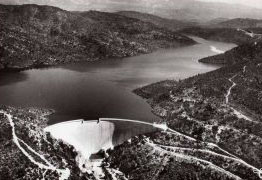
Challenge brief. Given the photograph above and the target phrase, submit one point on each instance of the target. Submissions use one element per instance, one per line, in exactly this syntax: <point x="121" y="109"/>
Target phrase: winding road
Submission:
<point x="166" y="129"/>
<point x="63" y="173"/>
<point x="236" y="112"/>
<point x="231" y="87"/>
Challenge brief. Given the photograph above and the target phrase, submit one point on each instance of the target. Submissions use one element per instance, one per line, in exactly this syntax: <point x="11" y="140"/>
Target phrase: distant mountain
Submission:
<point x="206" y="11"/>
<point x="241" y="54"/>
<point x="33" y="35"/>
<point x="220" y="34"/>
<point x="238" y="30"/>
<point x="104" y="5"/>
<point x="240" y="23"/>
<point x="186" y="10"/>
<point x="170" y="24"/>
<point x="215" y="21"/>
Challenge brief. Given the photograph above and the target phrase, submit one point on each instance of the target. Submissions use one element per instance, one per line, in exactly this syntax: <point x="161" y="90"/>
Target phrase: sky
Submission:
<point x="173" y="9"/>
<point x="252" y="3"/>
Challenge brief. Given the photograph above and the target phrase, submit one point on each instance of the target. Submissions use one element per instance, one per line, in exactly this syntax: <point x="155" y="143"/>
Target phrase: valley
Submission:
<point x="37" y="36"/>
<point x="130" y="95"/>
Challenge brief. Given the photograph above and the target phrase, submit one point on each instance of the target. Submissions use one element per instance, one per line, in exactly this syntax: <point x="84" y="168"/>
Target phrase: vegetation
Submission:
<point x="222" y="107"/>
<point x="29" y="124"/>
<point x="33" y="36"/>
<point x="243" y="23"/>
<point x="218" y="34"/>
<point x="215" y="119"/>
<point x="171" y="24"/>
<point x="244" y="53"/>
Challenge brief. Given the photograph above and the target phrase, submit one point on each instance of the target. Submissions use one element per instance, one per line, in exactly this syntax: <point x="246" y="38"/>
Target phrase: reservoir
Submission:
<point x="103" y="89"/>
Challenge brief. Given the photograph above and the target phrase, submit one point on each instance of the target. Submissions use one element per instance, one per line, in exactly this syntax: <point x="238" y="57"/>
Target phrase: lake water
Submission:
<point x="104" y="88"/>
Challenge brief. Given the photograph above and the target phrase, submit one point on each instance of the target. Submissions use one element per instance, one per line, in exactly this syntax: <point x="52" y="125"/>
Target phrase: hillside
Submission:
<point x="243" y="53"/>
<point x="186" y="10"/>
<point x="170" y="24"/>
<point x="213" y="124"/>
<point x="215" y="21"/>
<point x="23" y="140"/>
<point x="213" y="128"/>
<point x="232" y="35"/>
<point x="240" y="23"/>
<point x="238" y="30"/>
<point x="210" y="125"/>
<point x="35" y="36"/>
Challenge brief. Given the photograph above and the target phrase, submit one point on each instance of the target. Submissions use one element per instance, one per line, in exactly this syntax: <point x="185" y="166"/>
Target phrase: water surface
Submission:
<point x="93" y="90"/>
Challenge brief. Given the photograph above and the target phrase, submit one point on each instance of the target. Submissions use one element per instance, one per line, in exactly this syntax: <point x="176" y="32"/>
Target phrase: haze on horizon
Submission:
<point x="89" y="4"/>
<point x="185" y="10"/>
<point x="251" y="3"/>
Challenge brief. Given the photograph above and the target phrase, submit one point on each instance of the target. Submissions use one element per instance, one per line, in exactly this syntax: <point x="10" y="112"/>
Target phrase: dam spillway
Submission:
<point x="87" y="137"/>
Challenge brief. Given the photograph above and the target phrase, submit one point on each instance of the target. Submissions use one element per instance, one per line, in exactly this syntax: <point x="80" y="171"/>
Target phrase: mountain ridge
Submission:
<point x="34" y="36"/>
<point x="171" y="24"/>
<point x="242" y="23"/>
<point x="243" y="53"/>
<point x="173" y="9"/>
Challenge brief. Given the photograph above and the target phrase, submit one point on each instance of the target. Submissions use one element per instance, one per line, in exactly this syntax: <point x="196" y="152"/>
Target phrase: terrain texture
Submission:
<point x="212" y="121"/>
<point x="238" y="31"/>
<point x="35" y="36"/>
<point x="27" y="152"/>
<point x="214" y="124"/>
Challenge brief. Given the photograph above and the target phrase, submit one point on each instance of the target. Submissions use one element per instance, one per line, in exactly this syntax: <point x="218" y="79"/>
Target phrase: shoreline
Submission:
<point x="198" y="133"/>
<point x="192" y="108"/>
<point x="43" y="66"/>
